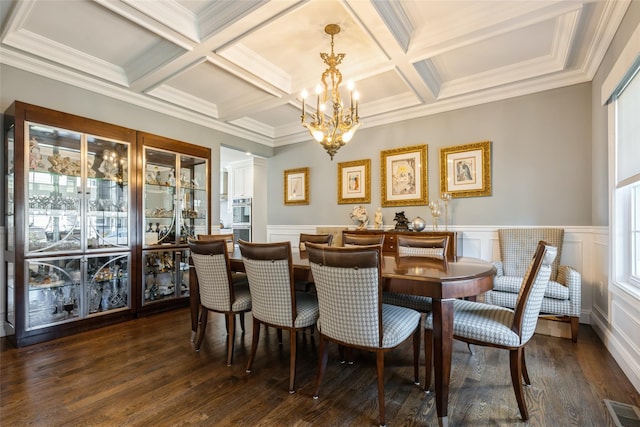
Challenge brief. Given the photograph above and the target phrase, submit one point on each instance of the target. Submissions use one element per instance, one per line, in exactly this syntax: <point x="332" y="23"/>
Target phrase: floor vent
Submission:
<point x="623" y="415"/>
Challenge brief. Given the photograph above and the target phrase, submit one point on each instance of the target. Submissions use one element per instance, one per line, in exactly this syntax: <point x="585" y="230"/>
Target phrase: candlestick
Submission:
<point x="445" y="198"/>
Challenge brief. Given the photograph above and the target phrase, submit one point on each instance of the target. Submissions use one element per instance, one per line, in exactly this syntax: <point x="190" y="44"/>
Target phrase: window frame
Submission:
<point x="624" y="200"/>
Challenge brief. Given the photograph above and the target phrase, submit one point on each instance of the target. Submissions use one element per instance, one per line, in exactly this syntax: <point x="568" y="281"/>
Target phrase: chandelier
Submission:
<point x="333" y="128"/>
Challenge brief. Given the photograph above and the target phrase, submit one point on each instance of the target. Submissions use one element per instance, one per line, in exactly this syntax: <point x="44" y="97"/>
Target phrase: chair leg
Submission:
<point x="574" y="329"/>
<point x="380" y="369"/>
<point x="428" y="358"/>
<point x="341" y="354"/>
<point x="469" y="348"/>
<point x="254" y="343"/>
<point x="293" y="340"/>
<point x="323" y="352"/>
<point x="279" y="333"/>
<point x="416" y="355"/>
<point x="204" y="318"/>
<point x="231" y="336"/>
<point x="515" y="361"/>
<point x="241" y="315"/>
<point x="525" y="373"/>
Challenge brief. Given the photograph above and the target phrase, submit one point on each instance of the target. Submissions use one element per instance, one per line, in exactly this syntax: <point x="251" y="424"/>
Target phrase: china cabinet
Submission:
<point x="70" y="209"/>
<point x="175" y="206"/>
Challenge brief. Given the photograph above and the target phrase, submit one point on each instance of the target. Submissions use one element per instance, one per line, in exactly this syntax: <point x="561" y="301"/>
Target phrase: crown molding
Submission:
<point x="54" y="72"/>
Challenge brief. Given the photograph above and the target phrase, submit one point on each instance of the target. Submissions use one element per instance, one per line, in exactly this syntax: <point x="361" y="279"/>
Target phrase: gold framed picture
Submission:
<point x="296" y="186"/>
<point x="403" y="175"/>
<point x="354" y="182"/>
<point x="465" y="170"/>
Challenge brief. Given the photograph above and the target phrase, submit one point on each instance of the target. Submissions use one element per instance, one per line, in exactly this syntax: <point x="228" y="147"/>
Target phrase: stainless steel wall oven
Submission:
<point x="241" y="219"/>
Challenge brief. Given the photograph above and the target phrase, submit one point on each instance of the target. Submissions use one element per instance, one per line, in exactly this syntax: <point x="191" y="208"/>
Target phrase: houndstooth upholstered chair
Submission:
<point x="227" y="237"/>
<point x="324" y="239"/>
<point x="423" y="246"/>
<point x="349" y="286"/>
<point x="563" y="295"/>
<point x="217" y="290"/>
<point x="269" y="268"/>
<point x="417" y="247"/>
<point x="238" y="278"/>
<point x="362" y="240"/>
<point x="489" y="325"/>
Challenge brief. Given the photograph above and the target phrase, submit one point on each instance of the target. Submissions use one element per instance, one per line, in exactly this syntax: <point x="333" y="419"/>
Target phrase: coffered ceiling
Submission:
<point x="239" y="66"/>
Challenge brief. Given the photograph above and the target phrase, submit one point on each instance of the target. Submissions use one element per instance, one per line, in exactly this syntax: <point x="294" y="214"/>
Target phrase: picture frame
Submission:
<point x="354" y="182"/>
<point x="296" y="186"/>
<point x="465" y="170"/>
<point x="403" y="176"/>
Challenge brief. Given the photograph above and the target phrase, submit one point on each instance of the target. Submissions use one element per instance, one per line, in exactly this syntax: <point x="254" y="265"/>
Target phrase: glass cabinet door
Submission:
<point x="54" y="291"/>
<point x="53" y="190"/>
<point x="193" y="196"/>
<point x="160" y="197"/>
<point x="108" y="283"/>
<point x="165" y="275"/>
<point x="108" y="189"/>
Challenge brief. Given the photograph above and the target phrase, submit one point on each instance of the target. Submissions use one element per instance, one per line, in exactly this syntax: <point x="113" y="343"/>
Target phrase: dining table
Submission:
<point x="442" y="280"/>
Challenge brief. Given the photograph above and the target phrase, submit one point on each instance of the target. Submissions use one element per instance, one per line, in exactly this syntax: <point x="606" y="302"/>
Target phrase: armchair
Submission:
<point x="562" y="296"/>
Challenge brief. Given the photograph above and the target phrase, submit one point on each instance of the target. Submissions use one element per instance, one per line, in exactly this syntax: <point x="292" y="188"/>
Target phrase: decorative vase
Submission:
<point x="418" y="224"/>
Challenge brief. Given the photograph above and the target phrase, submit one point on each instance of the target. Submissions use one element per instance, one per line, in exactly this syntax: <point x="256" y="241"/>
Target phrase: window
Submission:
<point x="626" y="186"/>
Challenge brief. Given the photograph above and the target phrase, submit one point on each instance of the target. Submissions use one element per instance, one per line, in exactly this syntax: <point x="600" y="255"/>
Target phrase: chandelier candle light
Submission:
<point x="332" y="129"/>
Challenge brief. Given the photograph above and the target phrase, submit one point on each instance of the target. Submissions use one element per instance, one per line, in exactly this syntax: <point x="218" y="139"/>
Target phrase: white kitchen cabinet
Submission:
<point x="242" y="177"/>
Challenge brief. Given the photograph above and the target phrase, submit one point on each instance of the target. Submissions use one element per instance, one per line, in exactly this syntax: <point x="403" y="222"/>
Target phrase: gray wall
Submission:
<point x="541" y="163"/>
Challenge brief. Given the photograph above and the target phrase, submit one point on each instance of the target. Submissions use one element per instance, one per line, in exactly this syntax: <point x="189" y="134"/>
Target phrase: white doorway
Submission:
<point x="228" y="156"/>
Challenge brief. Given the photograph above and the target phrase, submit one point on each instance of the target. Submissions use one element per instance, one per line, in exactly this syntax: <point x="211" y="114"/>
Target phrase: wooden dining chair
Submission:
<point x="269" y="268"/>
<point x="362" y="239"/>
<point x="216" y="289"/>
<point x="418" y="247"/>
<point x="434" y="247"/>
<point x="306" y="283"/>
<point x="323" y="239"/>
<point x="494" y="326"/>
<point x="349" y="286"/>
<point x="226" y="237"/>
<point x="238" y="278"/>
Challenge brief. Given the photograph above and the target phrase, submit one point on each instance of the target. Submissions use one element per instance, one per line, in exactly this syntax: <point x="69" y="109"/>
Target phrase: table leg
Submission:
<point x="442" y="347"/>
<point x="194" y="301"/>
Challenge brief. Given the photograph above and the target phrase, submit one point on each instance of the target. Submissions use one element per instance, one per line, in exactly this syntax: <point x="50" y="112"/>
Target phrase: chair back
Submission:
<point x="325" y="239"/>
<point x="211" y="262"/>
<point x="349" y="287"/>
<point x="362" y="239"/>
<point x="269" y="269"/>
<point x="423" y="246"/>
<point x="228" y="238"/>
<point x="517" y="246"/>
<point x="532" y="290"/>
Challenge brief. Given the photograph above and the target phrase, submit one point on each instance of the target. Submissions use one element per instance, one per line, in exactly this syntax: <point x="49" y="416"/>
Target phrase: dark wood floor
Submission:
<point x="145" y="372"/>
